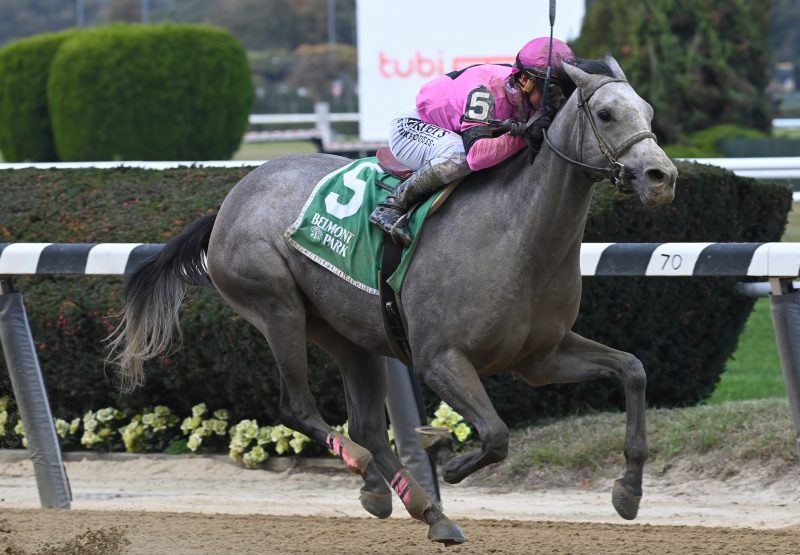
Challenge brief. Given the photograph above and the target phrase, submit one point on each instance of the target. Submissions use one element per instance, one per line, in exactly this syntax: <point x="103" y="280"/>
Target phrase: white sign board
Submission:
<point x="403" y="44"/>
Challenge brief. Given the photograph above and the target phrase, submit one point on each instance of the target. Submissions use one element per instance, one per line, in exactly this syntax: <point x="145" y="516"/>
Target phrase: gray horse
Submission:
<point x="494" y="286"/>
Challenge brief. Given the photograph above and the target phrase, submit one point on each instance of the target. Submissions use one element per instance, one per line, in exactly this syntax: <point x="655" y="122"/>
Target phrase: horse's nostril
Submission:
<point x="656" y="176"/>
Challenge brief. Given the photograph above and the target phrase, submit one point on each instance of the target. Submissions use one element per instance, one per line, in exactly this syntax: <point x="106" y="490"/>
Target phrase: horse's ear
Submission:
<point x="614" y="65"/>
<point x="578" y="76"/>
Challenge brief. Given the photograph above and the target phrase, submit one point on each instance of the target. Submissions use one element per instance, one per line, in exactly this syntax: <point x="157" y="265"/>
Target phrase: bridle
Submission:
<point x="615" y="171"/>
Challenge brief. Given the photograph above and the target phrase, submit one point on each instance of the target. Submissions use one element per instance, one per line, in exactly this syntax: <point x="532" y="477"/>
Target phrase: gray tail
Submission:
<point x="152" y="299"/>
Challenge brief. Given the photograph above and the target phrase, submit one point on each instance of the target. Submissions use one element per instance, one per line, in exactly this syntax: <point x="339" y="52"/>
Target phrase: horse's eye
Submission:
<point x="604" y="115"/>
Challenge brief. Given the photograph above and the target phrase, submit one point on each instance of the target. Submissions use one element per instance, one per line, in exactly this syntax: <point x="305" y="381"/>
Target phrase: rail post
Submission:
<point x="406" y="409"/>
<point x="785" y="303"/>
<point x="30" y="394"/>
<point x="323" y="112"/>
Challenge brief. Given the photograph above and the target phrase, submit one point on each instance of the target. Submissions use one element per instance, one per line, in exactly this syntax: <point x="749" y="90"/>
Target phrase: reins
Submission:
<point x="615" y="171"/>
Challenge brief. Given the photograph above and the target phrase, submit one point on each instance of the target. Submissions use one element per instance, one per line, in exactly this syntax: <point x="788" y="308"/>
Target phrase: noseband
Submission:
<point x="615" y="171"/>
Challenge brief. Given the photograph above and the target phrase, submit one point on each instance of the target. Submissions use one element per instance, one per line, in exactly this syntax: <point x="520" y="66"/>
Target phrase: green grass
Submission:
<point x="792" y="233"/>
<point x="788" y="133"/>
<point x="754" y="370"/>
<point x="715" y="441"/>
<point x="270" y="150"/>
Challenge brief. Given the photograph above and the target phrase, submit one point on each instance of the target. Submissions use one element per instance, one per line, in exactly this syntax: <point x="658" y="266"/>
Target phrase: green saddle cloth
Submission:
<point x="333" y="228"/>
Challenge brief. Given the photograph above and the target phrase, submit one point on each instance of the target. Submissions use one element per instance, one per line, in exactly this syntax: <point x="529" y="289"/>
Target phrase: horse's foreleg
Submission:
<point x="579" y="359"/>
<point x="456" y="382"/>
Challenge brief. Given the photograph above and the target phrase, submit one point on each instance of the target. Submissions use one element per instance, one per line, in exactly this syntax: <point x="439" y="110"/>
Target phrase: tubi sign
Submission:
<point x="401" y="45"/>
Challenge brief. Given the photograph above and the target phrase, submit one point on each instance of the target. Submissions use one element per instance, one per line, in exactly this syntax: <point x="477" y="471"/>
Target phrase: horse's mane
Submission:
<point x="596" y="67"/>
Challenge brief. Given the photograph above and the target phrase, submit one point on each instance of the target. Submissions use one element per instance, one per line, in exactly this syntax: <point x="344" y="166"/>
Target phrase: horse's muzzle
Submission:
<point x="658" y="185"/>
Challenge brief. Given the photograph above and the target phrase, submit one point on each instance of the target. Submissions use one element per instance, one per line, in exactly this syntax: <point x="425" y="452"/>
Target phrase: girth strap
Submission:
<point x="391" y="313"/>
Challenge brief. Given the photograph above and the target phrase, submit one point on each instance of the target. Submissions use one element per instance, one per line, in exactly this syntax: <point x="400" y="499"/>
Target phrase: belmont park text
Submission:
<point x="335" y="236"/>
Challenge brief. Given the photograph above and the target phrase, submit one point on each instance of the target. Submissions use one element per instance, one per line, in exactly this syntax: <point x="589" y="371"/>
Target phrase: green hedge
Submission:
<point x="149" y="92"/>
<point x="683" y="329"/>
<point x="25" y="132"/>
<point x="707" y="142"/>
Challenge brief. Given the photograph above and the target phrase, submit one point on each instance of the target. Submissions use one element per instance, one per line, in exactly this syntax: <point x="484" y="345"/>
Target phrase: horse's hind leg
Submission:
<point x="275" y="307"/>
<point x="365" y="383"/>
<point x="578" y="360"/>
<point x="366" y="419"/>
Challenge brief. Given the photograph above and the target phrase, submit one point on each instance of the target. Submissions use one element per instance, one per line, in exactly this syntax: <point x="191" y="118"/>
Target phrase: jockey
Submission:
<point x="454" y="129"/>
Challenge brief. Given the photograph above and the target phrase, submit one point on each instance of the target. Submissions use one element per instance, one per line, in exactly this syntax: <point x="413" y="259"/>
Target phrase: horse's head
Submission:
<point x="614" y="134"/>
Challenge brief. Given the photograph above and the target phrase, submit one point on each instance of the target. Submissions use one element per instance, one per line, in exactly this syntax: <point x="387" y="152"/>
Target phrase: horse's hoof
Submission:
<point x="453" y="471"/>
<point x="447" y="532"/>
<point x="625" y="502"/>
<point x="376" y="504"/>
<point x="434" y="436"/>
<point x="437" y="442"/>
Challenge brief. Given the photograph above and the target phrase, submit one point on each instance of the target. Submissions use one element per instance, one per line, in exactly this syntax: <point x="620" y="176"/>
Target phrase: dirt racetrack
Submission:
<point x="179" y="505"/>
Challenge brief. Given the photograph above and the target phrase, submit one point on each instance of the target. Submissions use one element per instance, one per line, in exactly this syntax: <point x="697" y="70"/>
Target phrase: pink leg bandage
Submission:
<point x="356" y="457"/>
<point x="413" y="496"/>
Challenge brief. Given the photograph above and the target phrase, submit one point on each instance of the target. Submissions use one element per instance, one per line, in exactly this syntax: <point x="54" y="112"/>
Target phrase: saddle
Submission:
<point x="392" y="165"/>
<point x="396" y="168"/>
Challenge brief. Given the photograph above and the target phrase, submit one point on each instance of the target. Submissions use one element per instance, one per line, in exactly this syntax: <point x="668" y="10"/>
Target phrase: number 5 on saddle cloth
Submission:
<point x="333" y="230"/>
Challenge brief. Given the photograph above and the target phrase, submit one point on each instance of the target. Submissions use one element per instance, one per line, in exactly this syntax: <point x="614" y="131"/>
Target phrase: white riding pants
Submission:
<point x="414" y="142"/>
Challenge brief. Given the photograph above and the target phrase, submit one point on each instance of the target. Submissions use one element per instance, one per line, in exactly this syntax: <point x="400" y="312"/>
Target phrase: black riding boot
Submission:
<point x="387" y="215"/>
<point x="390" y="214"/>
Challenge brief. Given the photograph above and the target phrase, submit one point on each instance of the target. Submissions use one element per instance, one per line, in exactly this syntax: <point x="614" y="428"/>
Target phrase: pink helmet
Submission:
<point x="533" y="57"/>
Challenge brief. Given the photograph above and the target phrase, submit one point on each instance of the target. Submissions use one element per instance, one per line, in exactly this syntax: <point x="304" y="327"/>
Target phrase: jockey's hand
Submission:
<point x="535" y="137"/>
<point x="536" y="130"/>
<point x="555" y="98"/>
<point x="515" y="128"/>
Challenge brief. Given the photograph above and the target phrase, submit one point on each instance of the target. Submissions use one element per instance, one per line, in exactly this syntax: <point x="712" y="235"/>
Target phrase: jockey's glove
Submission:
<point x="515" y="128"/>
<point x="534" y="136"/>
<point x="536" y="131"/>
<point x="555" y="98"/>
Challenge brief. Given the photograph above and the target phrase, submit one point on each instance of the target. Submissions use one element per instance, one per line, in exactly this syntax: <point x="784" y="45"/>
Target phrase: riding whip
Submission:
<point x="545" y="110"/>
<point x="545" y="93"/>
